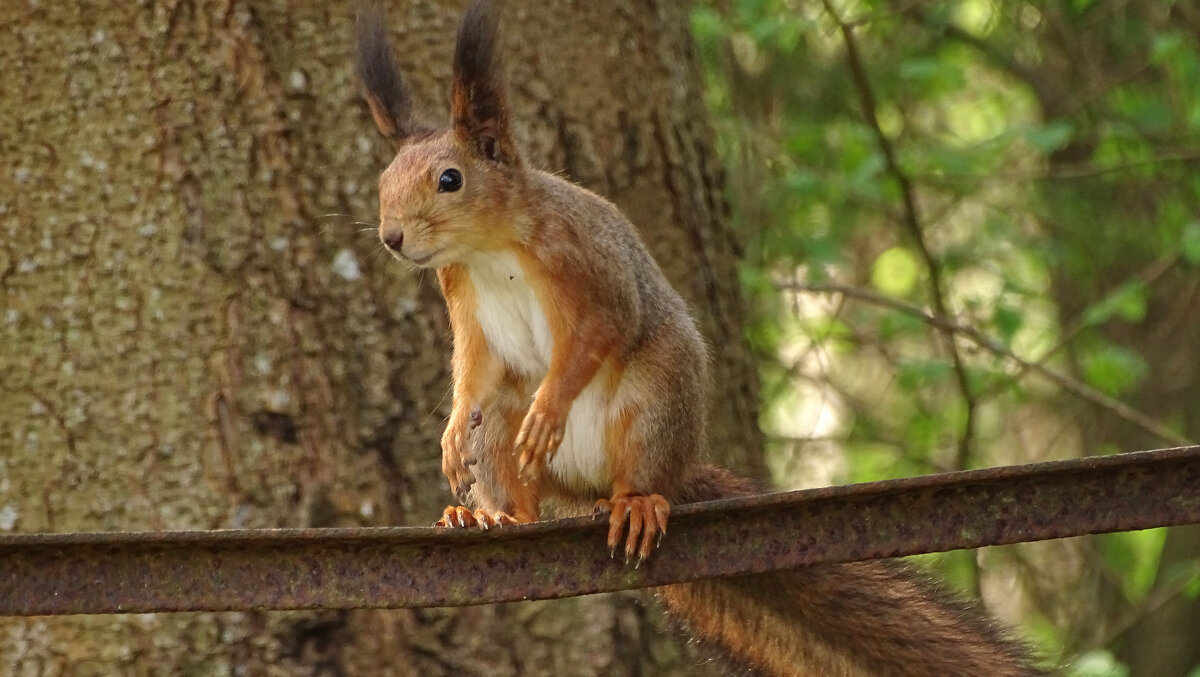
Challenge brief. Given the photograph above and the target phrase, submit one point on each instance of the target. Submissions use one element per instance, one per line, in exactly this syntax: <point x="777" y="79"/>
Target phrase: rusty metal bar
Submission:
<point x="406" y="567"/>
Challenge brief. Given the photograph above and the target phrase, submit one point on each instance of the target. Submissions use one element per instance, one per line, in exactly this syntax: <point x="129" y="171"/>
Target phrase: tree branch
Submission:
<point x="942" y="323"/>
<point x="912" y="224"/>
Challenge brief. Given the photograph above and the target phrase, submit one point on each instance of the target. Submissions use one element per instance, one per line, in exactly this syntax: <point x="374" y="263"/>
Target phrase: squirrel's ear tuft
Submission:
<point x="383" y="88"/>
<point x="478" y="106"/>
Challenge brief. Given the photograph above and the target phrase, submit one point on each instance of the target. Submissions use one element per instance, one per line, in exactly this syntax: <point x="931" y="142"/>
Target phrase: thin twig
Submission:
<point x="912" y="224"/>
<point x="1163" y="594"/>
<point x="1067" y="173"/>
<point x="1149" y="276"/>
<point x="944" y="324"/>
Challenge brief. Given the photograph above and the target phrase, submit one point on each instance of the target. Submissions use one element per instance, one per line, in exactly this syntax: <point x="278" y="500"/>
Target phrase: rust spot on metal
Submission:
<point x="405" y="567"/>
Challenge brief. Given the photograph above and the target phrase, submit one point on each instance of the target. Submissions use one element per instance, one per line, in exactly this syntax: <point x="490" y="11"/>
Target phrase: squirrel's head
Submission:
<point x="448" y="193"/>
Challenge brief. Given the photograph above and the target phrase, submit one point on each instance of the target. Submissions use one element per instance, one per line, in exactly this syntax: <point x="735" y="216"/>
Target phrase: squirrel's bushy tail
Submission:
<point x="877" y="618"/>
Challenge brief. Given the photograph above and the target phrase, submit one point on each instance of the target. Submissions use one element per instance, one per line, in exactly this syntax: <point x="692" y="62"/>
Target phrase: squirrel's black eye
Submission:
<point x="450" y="181"/>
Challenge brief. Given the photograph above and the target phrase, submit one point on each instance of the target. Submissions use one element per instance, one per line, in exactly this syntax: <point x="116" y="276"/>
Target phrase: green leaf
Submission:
<point x="1127" y="302"/>
<point x="825" y="330"/>
<point x="1190" y="247"/>
<point x="953" y="161"/>
<point x="818" y="251"/>
<point x="802" y="181"/>
<point x="1097" y="663"/>
<point x="1114" y="370"/>
<point x="1007" y="320"/>
<point x="923" y="433"/>
<point x="1133" y="558"/>
<point x="1051" y="137"/>
<point x="1192" y="589"/>
<point x="1166" y="46"/>
<point x="895" y="325"/>
<point x="1145" y="108"/>
<point x="707" y="24"/>
<point x="932" y="73"/>
<point x="923" y="374"/>
<point x="895" y="272"/>
<point x="873" y="461"/>
<point x="976" y="16"/>
<point x="1185" y="574"/>
<point x="864" y="179"/>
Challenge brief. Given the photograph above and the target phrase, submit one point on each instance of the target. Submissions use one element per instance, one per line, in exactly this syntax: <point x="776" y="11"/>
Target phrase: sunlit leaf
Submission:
<point x="975" y="15"/>
<point x="1133" y="557"/>
<point x="1097" y="663"/>
<point x="873" y="461"/>
<point x="895" y="272"/>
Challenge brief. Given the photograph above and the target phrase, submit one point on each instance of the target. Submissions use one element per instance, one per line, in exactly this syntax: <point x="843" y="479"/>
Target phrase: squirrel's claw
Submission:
<point x="541" y="434"/>
<point x="461" y="516"/>
<point x="458" y="455"/>
<point x="647" y="517"/>
<point x="463" y="489"/>
<point x="456" y="517"/>
<point x="460" y="480"/>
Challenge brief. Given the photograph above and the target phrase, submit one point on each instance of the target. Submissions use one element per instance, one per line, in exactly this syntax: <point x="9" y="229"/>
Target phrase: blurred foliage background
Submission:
<point x="973" y="239"/>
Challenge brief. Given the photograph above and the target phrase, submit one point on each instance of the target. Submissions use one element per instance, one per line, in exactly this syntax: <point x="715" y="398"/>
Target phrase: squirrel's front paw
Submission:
<point x="464" y="517"/>
<point x="457" y="456"/>
<point x="541" y="433"/>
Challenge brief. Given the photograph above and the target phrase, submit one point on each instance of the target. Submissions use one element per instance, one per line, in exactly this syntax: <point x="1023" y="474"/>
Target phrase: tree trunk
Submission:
<point x="200" y="330"/>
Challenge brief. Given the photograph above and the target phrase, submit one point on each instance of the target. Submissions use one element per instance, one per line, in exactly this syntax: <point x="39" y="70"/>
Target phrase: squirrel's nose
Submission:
<point x="394" y="240"/>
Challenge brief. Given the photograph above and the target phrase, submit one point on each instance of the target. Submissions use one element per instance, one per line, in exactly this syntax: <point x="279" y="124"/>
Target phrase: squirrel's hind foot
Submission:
<point x="647" y="517"/>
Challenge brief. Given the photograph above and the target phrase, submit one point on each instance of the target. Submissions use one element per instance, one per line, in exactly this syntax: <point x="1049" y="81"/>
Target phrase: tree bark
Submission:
<point x="200" y="330"/>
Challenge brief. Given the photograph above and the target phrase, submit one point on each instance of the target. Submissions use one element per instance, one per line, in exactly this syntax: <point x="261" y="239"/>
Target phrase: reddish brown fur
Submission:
<point x="867" y="618"/>
<point x="515" y="248"/>
<point x="879" y="618"/>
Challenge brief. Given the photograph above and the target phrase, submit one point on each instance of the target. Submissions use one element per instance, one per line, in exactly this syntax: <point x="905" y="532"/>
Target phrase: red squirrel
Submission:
<point x="580" y="379"/>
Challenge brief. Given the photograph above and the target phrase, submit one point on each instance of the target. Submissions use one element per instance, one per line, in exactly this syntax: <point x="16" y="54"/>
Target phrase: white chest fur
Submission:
<point x="509" y="313"/>
<point x="516" y="330"/>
